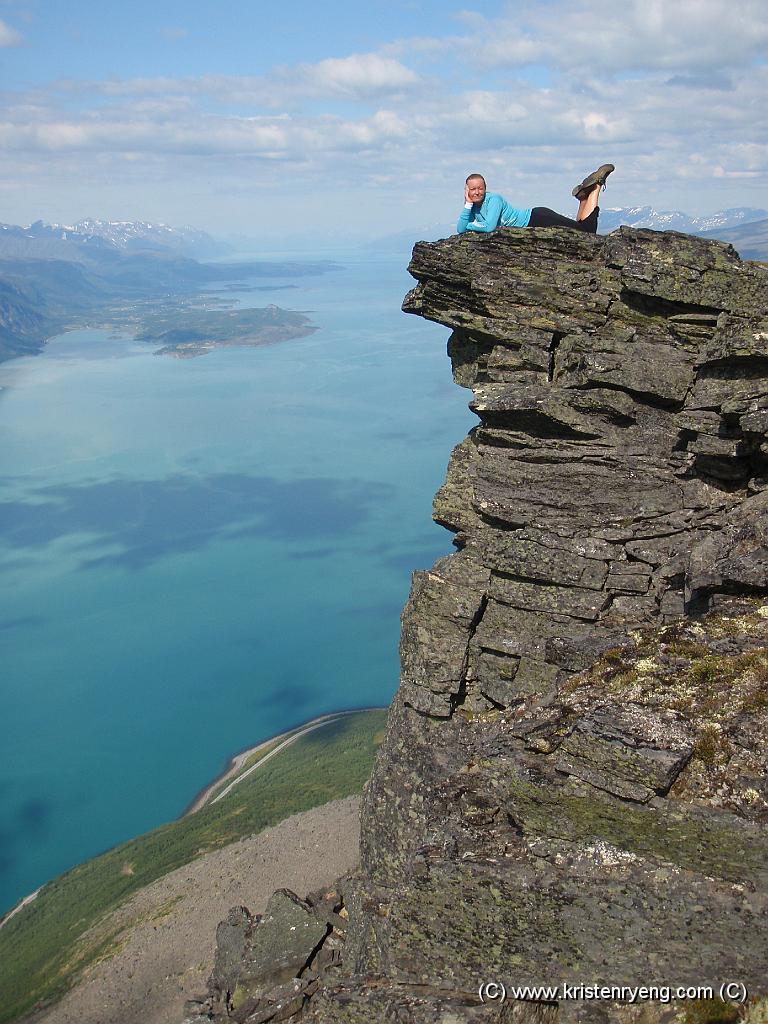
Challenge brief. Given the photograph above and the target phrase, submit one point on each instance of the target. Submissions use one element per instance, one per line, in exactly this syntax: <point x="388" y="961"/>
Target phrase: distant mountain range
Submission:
<point x="141" y="235"/>
<point x="675" y="220"/>
<point x="122" y="236"/>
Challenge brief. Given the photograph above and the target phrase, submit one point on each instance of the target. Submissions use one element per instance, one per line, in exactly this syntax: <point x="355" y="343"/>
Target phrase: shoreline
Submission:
<point x="19" y="906"/>
<point x="233" y="766"/>
<point x="237" y="760"/>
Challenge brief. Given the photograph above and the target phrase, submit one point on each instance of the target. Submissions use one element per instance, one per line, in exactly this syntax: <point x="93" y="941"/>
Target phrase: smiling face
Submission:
<point x="476" y="188"/>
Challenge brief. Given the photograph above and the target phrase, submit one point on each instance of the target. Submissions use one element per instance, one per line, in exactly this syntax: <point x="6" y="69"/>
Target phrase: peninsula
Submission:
<point x="188" y="333"/>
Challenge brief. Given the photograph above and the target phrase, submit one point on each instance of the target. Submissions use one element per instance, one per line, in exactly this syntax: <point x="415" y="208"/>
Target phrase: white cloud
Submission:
<point x="363" y="74"/>
<point x="635" y="35"/>
<point x="492" y="107"/>
<point x="594" y="118"/>
<point x="9" y="36"/>
<point x="152" y="132"/>
<point x="364" y="77"/>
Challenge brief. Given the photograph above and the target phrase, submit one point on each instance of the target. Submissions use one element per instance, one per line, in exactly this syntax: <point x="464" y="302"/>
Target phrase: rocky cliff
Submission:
<point x="573" y="788"/>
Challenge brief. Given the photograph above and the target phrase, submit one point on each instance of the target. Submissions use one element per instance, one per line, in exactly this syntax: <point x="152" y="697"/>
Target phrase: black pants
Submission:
<point x="543" y="217"/>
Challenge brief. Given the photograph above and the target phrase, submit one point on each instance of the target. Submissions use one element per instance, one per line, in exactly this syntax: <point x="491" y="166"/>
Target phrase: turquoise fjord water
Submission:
<point x="197" y="554"/>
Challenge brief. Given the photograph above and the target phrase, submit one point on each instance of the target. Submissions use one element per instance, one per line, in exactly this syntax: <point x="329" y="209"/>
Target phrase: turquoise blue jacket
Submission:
<point x="494" y="212"/>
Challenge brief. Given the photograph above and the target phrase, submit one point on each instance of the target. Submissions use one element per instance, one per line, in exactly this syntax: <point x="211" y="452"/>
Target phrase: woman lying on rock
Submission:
<point x="486" y="211"/>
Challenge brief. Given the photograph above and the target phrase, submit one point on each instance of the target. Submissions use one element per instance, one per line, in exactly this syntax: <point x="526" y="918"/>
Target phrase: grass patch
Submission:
<point x="676" y="668"/>
<point x="42" y="948"/>
<point x="756" y="1012"/>
<point x="710" y="1011"/>
<point x="700" y="681"/>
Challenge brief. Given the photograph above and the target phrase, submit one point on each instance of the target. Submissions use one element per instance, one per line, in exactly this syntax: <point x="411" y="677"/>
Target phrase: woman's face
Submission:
<point x="476" y="190"/>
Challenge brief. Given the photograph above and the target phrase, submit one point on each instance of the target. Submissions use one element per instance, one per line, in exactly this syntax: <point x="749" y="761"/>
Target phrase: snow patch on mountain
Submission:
<point x="676" y="220"/>
<point x="126" y="236"/>
<point x="142" y="234"/>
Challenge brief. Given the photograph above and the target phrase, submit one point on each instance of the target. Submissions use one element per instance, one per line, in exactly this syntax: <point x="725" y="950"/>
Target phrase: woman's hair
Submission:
<point x="471" y="176"/>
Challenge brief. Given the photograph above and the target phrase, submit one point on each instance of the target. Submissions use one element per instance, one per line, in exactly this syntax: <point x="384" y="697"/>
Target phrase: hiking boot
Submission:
<point x="595" y="178"/>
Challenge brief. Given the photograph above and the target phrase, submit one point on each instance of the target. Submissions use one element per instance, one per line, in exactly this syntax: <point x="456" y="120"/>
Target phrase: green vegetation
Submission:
<point x="708" y="675"/>
<point x="677" y="669"/>
<point x="193" y="332"/>
<point x="710" y="1011"/>
<point x="44" y="948"/>
<point x="756" y="1012"/>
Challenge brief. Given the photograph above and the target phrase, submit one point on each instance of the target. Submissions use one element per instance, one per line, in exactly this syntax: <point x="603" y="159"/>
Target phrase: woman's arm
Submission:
<point x="491" y="216"/>
<point x="466" y="213"/>
<point x="464" y="220"/>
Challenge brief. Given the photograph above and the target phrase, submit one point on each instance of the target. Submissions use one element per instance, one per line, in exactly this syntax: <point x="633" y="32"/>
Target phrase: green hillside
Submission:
<point x="43" y="949"/>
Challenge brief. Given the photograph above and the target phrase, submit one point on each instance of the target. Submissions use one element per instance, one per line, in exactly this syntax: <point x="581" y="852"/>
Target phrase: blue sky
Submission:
<point x="290" y="120"/>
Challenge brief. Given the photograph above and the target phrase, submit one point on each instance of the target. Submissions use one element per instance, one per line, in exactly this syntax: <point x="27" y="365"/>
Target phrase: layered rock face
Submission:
<point x="514" y="829"/>
<point x="573" y="784"/>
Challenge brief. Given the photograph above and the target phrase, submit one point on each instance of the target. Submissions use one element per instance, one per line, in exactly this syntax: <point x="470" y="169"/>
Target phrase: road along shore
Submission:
<point x="234" y="771"/>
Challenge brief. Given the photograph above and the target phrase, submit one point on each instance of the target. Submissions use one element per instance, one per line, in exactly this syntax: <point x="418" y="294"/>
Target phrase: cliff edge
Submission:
<point x="573" y="789"/>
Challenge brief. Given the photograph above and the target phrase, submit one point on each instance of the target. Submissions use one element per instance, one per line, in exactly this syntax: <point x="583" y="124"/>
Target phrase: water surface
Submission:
<point x="196" y="554"/>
